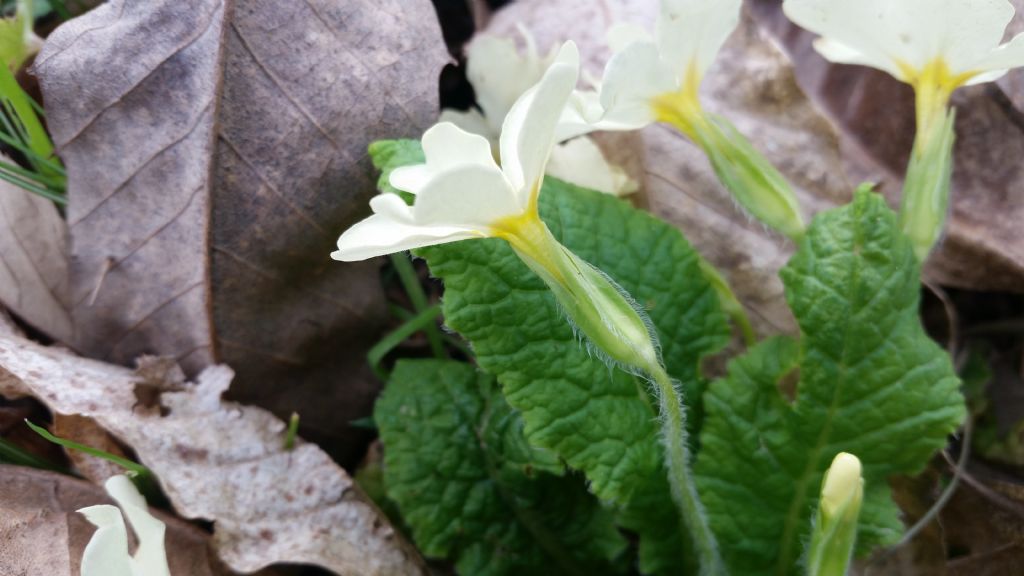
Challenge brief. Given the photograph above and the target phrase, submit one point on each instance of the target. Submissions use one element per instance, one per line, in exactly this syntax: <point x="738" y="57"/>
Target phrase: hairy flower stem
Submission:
<point x="680" y="477"/>
<point x="618" y="330"/>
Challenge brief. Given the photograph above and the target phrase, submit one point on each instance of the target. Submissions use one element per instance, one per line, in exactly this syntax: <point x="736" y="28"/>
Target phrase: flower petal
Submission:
<point x="971" y="29"/>
<point x="474" y="122"/>
<point x="885" y="34"/>
<point x="834" y="51"/>
<point x="999" y="61"/>
<point x="529" y="129"/>
<point x="151" y="557"/>
<point x="389" y="231"/>
<point x="620" y="36"/>
<point x="859" y="32"/>
<point x="445" y="146"/>
<point x="580" y="162"/>
<point x="691" y="32"/>
<point x="500" y="75"/>
<point x="106" y="554"/>
<point x="470" y="197"/>
<point x="632" y="79"/>
<point x="410" y="178"/>
<point x="455" y="205"/>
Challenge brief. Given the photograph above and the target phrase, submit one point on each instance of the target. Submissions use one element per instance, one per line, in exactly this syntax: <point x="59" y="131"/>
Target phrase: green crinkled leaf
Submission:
<point x="601" y="420"/>
<point x="390" y="154"/>
<point x="472" y="489"/>
<point x="871" y="383"/>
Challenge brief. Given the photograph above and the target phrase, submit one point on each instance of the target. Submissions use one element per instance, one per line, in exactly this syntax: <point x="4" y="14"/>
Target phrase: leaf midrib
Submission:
<point x="793" y="516"/>
<point x="544" y="538"/>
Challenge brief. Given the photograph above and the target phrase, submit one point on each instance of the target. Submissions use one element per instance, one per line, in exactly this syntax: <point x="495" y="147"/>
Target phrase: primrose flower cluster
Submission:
<point x="485" y="182"/>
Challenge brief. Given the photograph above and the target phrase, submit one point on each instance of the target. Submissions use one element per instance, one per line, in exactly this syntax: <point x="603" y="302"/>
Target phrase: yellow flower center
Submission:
<point x="528" y="234"/>
<point x="682" y="108"/>
<point x="933" y="85"/>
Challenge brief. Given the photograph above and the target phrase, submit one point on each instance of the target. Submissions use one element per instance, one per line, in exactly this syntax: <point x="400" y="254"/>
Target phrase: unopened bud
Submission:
<point x="835" y="528"/>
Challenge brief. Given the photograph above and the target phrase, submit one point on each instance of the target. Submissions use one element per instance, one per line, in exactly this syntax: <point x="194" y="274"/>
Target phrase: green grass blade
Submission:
<point x="125" y="463"/>
<point x="411" y="283"/>
<point x="418" y="322"/>
<point x="31" y="187"/>
<point x="11" y="453"/>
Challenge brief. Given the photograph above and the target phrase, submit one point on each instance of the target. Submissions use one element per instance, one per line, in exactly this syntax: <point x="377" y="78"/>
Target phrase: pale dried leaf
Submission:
<point x="43" y="535"/>
<point x="7" y="325"/>
<point x="10" y="385"/>
<point x="34" y="261"/>
<point x="752" y="84"/>
<point x="983" y="248"/>
<point x="226" y="463"/>
<point x="215" y="151"/>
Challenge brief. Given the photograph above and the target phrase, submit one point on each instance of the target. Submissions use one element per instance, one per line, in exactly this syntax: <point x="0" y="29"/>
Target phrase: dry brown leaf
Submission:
<point x="42" y="534"/>
<point x="86" y="431"/>
<point x="226" y="463"/>
<point x="34" y="261"/>
<point x="752" y="84"/>
<point x="983" y="248"/>
<point x="215" y="151"/>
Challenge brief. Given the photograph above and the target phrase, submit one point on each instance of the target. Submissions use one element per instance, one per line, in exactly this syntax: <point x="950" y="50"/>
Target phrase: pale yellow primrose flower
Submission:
<point x="688" y="36"/>
<point x="951" y="43"/>
<point x="936" y="46"/>
<point x="657" y="79"/>
<point x="460" y="191"/>
<point x="500" y="74"/>
<point x="106" y="554"/>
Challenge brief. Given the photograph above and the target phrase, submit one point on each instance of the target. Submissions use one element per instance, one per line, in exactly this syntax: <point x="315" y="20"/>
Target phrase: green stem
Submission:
<point x="680" y="477"/>
<point x="617" y="329"/>
<point x="729" y="302"/>
<point x="418" y="322"/>
<point x="292" y="432"/>
<point x="411" y="283"/>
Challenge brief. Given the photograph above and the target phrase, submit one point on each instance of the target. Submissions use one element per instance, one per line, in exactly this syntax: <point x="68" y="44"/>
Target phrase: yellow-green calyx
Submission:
<point x="748" y="175"/>
<point x="933" y="85"/>
<point x="594" y="304"/>
<point x="682" y="108"/>
<point x="927" y="183"/>
<point x="835" y="527"/>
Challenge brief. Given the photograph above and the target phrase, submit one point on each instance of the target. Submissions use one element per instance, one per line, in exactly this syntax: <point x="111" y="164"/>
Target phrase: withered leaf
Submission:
<point x="156" y="374"/>
<point x="983" y="248"/>
<point x="215" y="150"/>
<point x="86" y="431"/>
<point x="34" y="261"/>
<point x="43" y="535"/>
<point x="752" y="84"/>
<point x="223" y="462"/>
